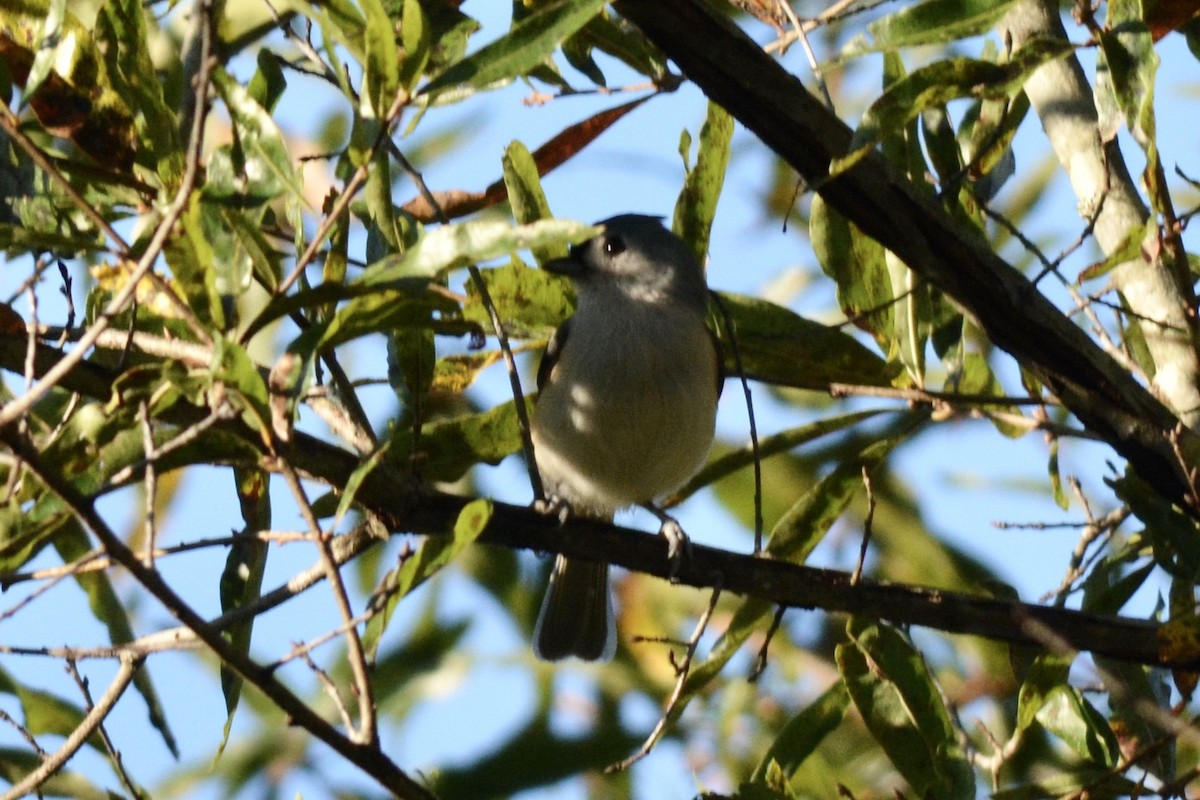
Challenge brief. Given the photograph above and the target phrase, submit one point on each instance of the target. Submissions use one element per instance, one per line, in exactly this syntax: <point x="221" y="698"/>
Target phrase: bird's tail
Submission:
<point x="577" y="613"/>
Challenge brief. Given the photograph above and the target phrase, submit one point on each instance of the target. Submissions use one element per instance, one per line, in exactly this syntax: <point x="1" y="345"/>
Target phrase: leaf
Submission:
<point x="1070" y="717"/>
<point x="780" y="347"/>
<point x="16" y="764"/>
<point x="448" y="448"/>
<point x="47" y="714"/>
<point x="452" y="246"/>
<point x="930" y="22"/>
<point x="781" y="442"/>
<point x="935" y="85"/>
<point x="241" y="580"/>
<point x="803" y="732"/>
<point x="122" y="40"/>
<point x="531" y="302"/>
<point x="1047" y="673"/>
<point x="434" y="554"/>
<point x="264" y="168"/>
<point x="857" y="266"/>
<point x="696" y="205"/>
<point x="808" y="520"/>
<point x="381" y="75"/>
<point x="526" y="196"/>
<point x="528" y="44"/>
<point x="72" y="543"/>
<point x="902" y="707"/>
<point x="417" y="37"/>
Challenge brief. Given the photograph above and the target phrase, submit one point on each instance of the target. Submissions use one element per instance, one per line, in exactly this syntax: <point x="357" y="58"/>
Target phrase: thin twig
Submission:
<point x="347" y="196"/>
<point x="485" y="297"/>
<point x="867" y="524"/>
<point x="113" y="753"/>
<point x="368" y="758"/>
<point x="19" y="406"/>
<point x="366" y="733"/>
<point x="149" y="480"/>
<point x="77" y="737"/>
<point x="682" y="670"/>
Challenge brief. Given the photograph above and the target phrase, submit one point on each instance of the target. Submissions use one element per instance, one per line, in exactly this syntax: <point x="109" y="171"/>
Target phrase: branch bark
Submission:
<point x="385" y="492"/>
<point x="733" y="71"/>
<point x="1059" y="93"/>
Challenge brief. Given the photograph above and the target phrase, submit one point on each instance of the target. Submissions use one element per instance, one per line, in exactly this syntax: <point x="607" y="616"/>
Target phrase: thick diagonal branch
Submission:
<point x="733" y="71"/>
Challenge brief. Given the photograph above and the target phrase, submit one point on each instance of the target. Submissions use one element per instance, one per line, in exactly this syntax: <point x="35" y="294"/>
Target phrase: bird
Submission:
<point x="626" y="408"/>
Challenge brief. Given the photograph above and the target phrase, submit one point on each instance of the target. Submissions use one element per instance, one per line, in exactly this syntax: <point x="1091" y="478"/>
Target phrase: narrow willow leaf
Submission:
<point x="935" y="85"/>
<point x="803" y="732"/>
<point x="903" y="709"/>
<point x="416" y="35"/>
<point x="696" y="205"/>
<point x="241" y="580"/>
<point x="810" y="518"/>
<point x="525" y="195"/>
<point x="531" y="302"/>
<point x="434" y="554"/>
<point x="857" y="266"/>
<point x="381" y="76"/>
<point x="1047" y="673"/>
<point x="1070" y="717"/>
<point x="780" y="347"/>
<point x="448" y="448"/>
<point x="122" y="39"/>
<point x="266" y="171"/>
<point x="16" y="764"/>
<point x="930" y="22"/>
<point x="530" y="42"/>
<point x="453" y="246"/>
<point x="768" y="446"/>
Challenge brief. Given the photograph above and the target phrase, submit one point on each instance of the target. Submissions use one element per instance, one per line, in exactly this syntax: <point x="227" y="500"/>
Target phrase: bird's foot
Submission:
<point x="554" y="506"/>
<point x="679" y="546"/>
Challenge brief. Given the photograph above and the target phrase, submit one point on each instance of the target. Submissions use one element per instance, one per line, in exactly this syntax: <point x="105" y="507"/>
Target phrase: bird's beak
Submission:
<point x="571" y="266"/>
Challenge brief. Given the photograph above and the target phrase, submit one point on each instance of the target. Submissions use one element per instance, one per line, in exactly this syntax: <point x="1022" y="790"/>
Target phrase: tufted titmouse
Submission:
<point x="626" y="409"/>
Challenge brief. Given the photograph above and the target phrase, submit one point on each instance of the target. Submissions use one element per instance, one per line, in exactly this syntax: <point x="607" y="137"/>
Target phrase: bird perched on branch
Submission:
<point x="626" y="409"/>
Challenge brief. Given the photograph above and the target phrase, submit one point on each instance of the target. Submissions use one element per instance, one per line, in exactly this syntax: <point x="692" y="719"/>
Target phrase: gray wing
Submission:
<point x="553" y="351"/>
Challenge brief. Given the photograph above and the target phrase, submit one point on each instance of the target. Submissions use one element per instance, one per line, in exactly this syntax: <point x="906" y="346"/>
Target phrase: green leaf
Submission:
<point x="381" y="76"/>
<point x="16" y="764"/>
<point x="780" y="347"/>
<point x="857" y="265"/>
<point x="696" y="205"/>
<point x="417" y="37"/>
<point x="810" y="517"/>
<point x="47" y="714"/>
<point x="262" y="167"/>
<point x="1070" y="717"/>
<point x="531" y="302"/>
<point x="525" y="195"/>
<point x="803" y="732"/>
<point x="768" y="446"/>
<point x="241" y="580"/>
<point x="448" y="448"/>
<point x="902" y="707"/>
<point x="434" y="554"/>
<point x="930" y="22"/>
<point x="452" y="246"/>
<point x="1172" y="533"/>
<point x="122" y="39"/>
<point x="1046" y="674"/>
<point x="935" y="85"/>
<point x="530" y="42"/>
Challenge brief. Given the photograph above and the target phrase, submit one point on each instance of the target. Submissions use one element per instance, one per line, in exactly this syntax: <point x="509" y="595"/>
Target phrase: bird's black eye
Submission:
<point x="614" y="245"/>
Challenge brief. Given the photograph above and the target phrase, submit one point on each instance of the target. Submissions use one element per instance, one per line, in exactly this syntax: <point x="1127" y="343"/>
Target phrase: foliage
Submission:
<point x="244" y="286"/>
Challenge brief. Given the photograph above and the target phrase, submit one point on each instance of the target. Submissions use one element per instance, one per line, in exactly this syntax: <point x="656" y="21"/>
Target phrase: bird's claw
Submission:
<point x="554" y="506"/>
<point x="679" y="546"/>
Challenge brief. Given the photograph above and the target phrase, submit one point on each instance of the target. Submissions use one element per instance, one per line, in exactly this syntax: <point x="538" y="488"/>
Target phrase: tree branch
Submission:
<point x="385" y="493"/>
<point x="733" y="71"/>
<point x="1058" y="91"/>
